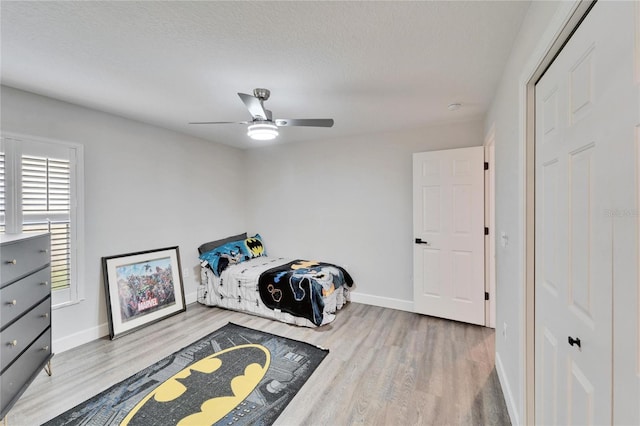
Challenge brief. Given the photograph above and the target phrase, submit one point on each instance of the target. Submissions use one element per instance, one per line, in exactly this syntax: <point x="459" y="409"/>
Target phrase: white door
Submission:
<point x="448" y="225"/>
<point x="584" y="131"/>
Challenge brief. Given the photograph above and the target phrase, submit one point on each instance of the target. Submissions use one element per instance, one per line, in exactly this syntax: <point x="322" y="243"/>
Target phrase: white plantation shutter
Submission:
<point x="46" y="206"/>
<point x="46" y="185"/>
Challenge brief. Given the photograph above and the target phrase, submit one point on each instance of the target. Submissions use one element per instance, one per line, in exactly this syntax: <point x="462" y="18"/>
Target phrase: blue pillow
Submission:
<point x="232" y="253"/>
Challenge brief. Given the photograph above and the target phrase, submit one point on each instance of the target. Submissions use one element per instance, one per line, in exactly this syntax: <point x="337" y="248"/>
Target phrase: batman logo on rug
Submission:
<point x="255" y="247"/>
<point x="205" y="391"/>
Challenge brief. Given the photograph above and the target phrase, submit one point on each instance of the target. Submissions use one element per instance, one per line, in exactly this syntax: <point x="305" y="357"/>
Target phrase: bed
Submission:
<point x="237" y="274"/>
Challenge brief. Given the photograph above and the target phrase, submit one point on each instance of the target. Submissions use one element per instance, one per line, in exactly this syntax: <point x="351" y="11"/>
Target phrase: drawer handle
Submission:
<point x="44" y="283"/>
<point x="45" y="348"/>
<point x="44" y="251"/>
<point x="46" y="315"/>
<point x="13" y="343"/>
<point x="12" y="262"/>
<point x="14" y="302"/>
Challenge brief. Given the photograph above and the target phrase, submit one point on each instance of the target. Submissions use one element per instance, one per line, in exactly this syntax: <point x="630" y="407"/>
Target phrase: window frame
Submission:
<point x="13" y="145"/>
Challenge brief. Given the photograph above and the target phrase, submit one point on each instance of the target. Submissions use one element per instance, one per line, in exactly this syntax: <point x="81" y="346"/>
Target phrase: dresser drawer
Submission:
<point x="19" y="258"/>
<point x="23" y="294"/>
<point x="19" y="335"/>
<point x="13" y="381"/>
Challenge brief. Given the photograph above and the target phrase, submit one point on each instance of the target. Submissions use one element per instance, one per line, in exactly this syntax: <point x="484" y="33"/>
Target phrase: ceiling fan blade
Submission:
<point x="254" y="106"/>
<point x="310" y="122"/>
<point x="219" y="122"/>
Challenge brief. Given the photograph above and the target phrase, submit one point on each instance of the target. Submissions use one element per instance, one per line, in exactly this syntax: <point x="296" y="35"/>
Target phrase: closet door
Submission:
<point x="585" y="175"/>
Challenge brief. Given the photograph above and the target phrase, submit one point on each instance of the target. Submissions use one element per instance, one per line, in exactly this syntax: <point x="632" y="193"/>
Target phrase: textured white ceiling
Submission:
<point x="371" y="66"/>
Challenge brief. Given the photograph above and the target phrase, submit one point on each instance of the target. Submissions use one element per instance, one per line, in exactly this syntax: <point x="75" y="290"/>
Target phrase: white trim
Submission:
<point x="638" y="238"/>
<point x="88" y="335"/>
<point x="383" y="302"/>
<point x="637" y="134"/>
<point x="490" y="222"/>
<point x="11" y="217"/>
<point x="77" y="218"/>
<point x="94" y="333"/>
<point x="637" y="45"/>
<point x="512" y="407"/>
<point x="80" y="338"/>
<point x="190" y="298"/>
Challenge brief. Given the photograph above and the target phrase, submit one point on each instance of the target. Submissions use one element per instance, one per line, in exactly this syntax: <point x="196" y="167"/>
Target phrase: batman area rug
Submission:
<point x="233" y="376"/>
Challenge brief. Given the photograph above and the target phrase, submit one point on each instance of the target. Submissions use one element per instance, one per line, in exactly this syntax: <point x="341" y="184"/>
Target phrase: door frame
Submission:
<point x="490" y="222"/>
<point x="570" y="20"/>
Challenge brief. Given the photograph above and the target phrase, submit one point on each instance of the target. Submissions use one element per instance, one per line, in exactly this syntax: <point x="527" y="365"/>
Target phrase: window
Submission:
<point x="40" y="191"/>
<point x="46" y="207"/>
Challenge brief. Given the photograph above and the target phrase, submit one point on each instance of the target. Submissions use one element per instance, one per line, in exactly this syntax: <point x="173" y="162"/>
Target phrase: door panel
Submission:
<point x="550" y="204"/>
<point x="462" y="267"/>
<point x="431" y="207"/>
<point x="549" y="378"/>
<point x="462" y="209"/>
<point x="431" y="272"/>
<point x="581" y="397"/>
<point x="449" y="216"/>
<point x="581" y="211"/>
<point x="581" y="85"/>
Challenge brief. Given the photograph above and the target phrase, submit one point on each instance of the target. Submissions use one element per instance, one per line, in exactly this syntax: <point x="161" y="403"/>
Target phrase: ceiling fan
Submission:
<point x="263" y="126"/>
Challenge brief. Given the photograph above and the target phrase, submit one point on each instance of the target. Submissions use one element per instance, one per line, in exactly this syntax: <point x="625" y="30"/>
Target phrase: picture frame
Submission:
<point x="142" y="288"/>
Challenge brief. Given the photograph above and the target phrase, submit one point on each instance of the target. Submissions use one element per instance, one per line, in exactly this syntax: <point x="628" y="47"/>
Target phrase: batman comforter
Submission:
<point x="300" y="292"/>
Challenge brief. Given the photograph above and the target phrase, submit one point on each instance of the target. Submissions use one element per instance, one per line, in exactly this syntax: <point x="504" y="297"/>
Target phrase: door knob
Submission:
<point x="420" y="241"/>
<point x="575" y="341"/>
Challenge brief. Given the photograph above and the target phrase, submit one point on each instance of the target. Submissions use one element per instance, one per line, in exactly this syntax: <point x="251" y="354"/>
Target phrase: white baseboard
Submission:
<point x="79" y="338"/>
<point x="384" y="302"/>
<point x="85" y="336"/>
<point x="94" y="333"/>
<point x="506" y="390"/>
<point x="190" y="298"/>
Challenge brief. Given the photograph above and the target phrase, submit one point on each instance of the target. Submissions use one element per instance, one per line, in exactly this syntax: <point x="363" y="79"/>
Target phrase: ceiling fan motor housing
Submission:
<point x="262" y="94"/>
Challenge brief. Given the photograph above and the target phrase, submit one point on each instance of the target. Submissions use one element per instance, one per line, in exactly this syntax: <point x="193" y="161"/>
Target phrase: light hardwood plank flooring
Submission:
<point x="385" y="367"/>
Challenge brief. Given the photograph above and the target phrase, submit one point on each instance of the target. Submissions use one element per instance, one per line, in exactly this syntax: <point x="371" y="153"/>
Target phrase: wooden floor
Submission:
<point x="385" y="367"/>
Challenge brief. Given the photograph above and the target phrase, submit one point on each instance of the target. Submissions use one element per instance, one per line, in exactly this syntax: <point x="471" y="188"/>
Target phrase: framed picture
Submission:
<point x="142" y="288"/>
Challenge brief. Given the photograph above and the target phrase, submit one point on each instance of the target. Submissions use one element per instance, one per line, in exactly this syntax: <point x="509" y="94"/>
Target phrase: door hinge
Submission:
<point x="486" y="165"/>
<point x="486" y="230"/>
<point x="486" y="295"/>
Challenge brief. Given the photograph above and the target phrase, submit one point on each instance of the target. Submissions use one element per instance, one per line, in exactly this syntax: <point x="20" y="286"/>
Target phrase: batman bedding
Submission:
<point x="238" y="275"/>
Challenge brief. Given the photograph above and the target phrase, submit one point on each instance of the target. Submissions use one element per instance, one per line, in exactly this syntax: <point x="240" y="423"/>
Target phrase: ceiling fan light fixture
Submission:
<point x="262" y="131"/>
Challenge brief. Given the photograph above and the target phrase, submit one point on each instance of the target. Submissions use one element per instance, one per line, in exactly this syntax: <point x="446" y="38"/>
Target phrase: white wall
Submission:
<point x="348" y="201"/>
<point x="345" y="201"/>
<point x="145" y="188"/>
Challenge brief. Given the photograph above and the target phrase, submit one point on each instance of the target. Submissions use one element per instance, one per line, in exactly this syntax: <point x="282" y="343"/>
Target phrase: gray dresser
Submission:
<point x="25" y="313"/>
